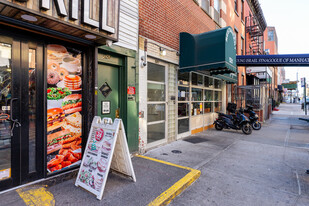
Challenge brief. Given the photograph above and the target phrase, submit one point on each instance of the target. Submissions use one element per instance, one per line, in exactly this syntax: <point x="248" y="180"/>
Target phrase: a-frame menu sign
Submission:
<point x="106" y="149"/>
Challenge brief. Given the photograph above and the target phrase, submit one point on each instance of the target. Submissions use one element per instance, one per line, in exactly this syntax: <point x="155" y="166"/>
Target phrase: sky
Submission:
<point x="291" y="19"/>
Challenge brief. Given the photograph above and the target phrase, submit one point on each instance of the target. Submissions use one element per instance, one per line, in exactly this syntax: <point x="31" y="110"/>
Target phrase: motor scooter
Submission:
<point x="237" y="121"/>
<point x="253" y="117"/>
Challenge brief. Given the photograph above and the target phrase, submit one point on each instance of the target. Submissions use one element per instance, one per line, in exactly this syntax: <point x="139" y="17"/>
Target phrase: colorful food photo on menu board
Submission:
<point x="64" y="106"/>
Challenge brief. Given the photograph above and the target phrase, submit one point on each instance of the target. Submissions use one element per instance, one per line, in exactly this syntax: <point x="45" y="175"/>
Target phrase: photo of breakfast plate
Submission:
<point x="106" y="147"/>
<point x="72" y="81"/>
<point x="102" y="164"/>
<point x="92" y="146"/>
<point x="98" y="183"/>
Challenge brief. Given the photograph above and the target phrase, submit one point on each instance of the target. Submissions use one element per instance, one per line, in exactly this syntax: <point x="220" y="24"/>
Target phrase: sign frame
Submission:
<point x="118" y="159"/>
<point x="105" y="103"/>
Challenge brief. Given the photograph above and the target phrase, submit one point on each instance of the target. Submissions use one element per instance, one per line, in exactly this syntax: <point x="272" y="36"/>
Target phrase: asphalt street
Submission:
<point x="267" y="167"/>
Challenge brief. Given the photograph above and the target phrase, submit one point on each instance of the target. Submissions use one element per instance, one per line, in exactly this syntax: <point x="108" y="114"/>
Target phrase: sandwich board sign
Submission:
<point x="106" y="149"/>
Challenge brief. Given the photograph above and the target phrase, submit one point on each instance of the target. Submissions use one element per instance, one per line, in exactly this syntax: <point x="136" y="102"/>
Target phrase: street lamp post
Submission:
<point x="305" y="90"/>
<point x="303" y="84"/>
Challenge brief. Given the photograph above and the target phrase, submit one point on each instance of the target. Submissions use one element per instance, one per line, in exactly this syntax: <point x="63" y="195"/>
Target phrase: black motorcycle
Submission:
<point x="236" y="121"/>
<point x="253" y="117"/>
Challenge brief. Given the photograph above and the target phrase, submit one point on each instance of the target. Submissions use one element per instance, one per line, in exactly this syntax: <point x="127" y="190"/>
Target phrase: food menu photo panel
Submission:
<point x="64" y="107"/>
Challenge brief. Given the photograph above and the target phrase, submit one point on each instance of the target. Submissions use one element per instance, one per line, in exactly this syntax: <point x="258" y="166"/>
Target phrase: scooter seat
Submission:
<point x="226" y="115"/>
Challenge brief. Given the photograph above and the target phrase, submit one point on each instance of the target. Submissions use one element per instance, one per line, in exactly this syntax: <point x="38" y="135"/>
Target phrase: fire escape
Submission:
<point x="255" y="42"/>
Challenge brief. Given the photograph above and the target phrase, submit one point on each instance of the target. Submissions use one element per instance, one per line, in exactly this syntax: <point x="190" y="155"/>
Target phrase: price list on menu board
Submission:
<point x="99" y="154"/>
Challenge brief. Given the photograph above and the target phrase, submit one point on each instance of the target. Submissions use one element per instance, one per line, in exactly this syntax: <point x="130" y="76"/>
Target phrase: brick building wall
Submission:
<point x="163" y="20"/>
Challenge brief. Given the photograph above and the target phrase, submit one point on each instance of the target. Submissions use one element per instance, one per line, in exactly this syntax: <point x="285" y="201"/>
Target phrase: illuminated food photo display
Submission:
<point x="64" y="106"/>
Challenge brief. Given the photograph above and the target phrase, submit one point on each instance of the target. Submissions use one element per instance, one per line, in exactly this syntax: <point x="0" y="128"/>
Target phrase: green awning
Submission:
<point x="230" y="78"/>
<point x="212" y="53"/>
<point x="290" y="86"/>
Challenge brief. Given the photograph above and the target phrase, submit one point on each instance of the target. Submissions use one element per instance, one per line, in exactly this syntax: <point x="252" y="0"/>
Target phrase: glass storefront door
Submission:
<point x="156" y="103"/>
<point x="21" y="111"/>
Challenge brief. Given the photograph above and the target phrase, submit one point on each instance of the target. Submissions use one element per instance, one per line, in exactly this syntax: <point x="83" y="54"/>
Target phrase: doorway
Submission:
<point x="108" y="95"/>
<point x="21" y="111"/>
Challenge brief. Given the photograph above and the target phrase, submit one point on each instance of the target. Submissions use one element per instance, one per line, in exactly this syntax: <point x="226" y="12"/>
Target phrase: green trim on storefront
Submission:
<point x="127" y="61"/>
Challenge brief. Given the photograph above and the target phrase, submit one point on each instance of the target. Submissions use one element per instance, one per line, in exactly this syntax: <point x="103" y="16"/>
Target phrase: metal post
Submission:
<point x="305" y="102"/>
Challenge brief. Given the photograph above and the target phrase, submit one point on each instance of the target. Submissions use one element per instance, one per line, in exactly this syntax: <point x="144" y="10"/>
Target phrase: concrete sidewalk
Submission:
<point x="265" y="168"/>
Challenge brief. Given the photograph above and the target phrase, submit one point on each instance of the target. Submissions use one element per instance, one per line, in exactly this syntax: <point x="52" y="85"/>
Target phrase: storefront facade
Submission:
<point x="48" y="76"/>
<point x="177" y="104"/>
<point x="177" y="100"/>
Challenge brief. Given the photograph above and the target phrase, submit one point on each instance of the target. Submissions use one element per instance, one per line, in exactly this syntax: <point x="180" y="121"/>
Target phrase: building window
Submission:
<point x="205" y="5"/>
<point x="183" y="78"/>
<point x="197" y="79"/>
<point x="203" y="95"/>
<point x="242" y="11"/>
<point x="270" y="36"/>
<point x="236" y="38"/>
<point x="209" y="82"/>
<point x="217" y="5"/>
<point x="242" y="46"/>
<point x="235" y="8"/>
<point x="196" y="94"/>
<point x="218" y="101"/>
<point x="216" y="11"/>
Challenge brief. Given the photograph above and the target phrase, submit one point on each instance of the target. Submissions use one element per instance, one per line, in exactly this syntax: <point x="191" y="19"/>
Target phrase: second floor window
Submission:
<point x="242" y="11"/>
<point x="270" y="35"/>
<point x="217" y="5"/>
<point x="242" y="46"/>
<point x="235" y="5"/>
<point x="236" y="37"/>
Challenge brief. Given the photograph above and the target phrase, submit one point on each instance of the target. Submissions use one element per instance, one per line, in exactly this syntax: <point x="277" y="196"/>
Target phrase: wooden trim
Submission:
<point x="41" y="33"/>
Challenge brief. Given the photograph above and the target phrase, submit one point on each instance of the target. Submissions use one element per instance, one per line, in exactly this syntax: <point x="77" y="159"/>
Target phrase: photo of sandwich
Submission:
<point x="55" y="140"/>
<point x="55" y="118"/>
<point x="73" y="122"/>
<point x="72" y="103"/>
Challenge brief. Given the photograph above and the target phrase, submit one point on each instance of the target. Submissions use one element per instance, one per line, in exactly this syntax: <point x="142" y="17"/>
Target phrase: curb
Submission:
<point x="168" y="195"/>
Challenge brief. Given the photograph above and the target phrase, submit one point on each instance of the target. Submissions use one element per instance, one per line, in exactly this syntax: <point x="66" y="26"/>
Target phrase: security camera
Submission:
<point x="177" y="53"/>
<point x="109" y="43"/>
<point x="144" y="64"/>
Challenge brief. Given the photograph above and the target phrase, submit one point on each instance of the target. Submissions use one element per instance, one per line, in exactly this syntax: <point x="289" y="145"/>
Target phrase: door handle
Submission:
<point x="117" y="112"/>
<point x="15" y="121"/>
<point x="11" y="108"/>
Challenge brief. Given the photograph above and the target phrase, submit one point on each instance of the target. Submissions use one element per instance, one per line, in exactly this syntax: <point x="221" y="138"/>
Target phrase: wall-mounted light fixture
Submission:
<point x="29" y="18"/>
<point x="90" y="36"/>
<point x="162" y="51"/>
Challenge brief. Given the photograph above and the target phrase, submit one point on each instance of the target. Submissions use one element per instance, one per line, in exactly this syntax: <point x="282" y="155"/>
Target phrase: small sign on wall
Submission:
<point x="131" y="90"/>
<point x="106" y="107"/>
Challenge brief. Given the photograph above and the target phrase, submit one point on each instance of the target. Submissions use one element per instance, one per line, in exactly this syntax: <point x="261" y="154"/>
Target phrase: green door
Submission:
<point x="108" y="82"/>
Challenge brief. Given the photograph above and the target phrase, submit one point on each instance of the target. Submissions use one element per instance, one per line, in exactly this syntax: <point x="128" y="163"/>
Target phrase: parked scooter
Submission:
<point x="235" y="121"/>
<point x="253" y="117"/>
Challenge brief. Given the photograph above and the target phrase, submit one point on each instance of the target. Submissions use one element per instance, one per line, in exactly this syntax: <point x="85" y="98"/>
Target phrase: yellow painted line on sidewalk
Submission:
<point x="167" y="196"/>
<point x="36" y="197"/>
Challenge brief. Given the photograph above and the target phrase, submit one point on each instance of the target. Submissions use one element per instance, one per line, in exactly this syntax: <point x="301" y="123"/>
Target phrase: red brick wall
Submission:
<point x="163" y="20"/>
